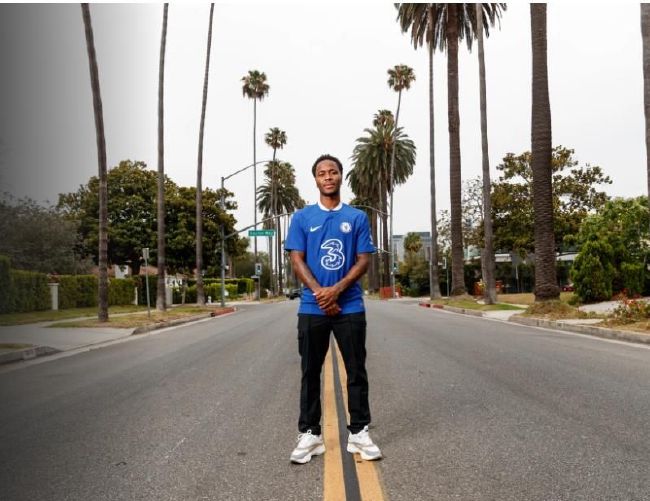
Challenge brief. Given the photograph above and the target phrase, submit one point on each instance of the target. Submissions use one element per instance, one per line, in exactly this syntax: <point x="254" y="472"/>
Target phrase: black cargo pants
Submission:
<point x="313" y="342"/>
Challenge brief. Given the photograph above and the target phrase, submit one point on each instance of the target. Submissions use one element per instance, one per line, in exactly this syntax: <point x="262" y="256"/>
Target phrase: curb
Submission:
<point x="589" y="330"/>
<point x="583" y="329"/>
<point x="453" y="309"/>
<point x="27" y="354"/>
<point x="179" y="321"/>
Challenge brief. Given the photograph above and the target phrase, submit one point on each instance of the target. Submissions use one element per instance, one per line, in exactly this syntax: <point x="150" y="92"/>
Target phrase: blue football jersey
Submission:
<point x="331" y="240"/>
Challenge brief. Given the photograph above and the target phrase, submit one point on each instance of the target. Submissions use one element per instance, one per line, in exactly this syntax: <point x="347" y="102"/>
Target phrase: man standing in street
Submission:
<point x="330" y="247"/>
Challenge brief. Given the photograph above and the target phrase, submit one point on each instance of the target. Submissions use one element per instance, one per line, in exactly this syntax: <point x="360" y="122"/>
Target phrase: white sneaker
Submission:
<point x="363" y="444"/>
<point x="308" y="445"/>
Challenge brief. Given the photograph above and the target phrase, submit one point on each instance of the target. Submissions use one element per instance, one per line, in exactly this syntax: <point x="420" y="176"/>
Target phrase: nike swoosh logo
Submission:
<point x="314" y="228"/>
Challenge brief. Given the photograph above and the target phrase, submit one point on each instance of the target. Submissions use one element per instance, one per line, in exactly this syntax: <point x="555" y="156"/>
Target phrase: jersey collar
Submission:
<point x="338" y="207"/>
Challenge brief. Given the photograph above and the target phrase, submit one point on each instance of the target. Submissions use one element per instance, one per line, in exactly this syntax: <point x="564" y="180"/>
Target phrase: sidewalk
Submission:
<point x="579" y="326"/>
<point x="45" y="340"/>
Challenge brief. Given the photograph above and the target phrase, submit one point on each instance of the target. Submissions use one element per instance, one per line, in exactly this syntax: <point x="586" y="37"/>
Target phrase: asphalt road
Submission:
<point x="463" y="408"/>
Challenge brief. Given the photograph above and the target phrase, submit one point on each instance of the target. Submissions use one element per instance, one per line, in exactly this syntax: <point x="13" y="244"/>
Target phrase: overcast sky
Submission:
<point x="326" y="65"/>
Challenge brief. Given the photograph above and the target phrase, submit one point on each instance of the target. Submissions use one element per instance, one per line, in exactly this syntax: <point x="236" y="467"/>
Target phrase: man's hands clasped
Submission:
<point x="326" y="298"/>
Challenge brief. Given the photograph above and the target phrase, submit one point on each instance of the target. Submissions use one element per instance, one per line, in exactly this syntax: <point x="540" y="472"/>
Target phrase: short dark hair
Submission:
<point x="331" y="159"/>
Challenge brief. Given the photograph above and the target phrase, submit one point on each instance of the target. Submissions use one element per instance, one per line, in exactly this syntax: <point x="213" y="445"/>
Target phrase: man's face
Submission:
<point x="328" y="178"/>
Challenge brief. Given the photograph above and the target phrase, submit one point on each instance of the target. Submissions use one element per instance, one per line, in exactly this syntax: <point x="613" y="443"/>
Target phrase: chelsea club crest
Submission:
<point x="346" y="227"/>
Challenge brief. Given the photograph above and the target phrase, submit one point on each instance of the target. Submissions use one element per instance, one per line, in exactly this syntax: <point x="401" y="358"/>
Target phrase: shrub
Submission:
<point x="29" y="291"/>
<point x="141" y="283"/>
<point x="120" y="291"/>
<point x="592" y="271"/>
<point x="6" y="299"/>
<point x="632" y="276"/>
<point x="77" y="291"/>
<point x="631" y="310"/>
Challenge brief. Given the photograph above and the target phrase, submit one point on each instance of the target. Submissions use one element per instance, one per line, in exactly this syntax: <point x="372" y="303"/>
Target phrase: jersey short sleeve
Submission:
<point x="364" y="240"/>
<point x="296" y="236"/>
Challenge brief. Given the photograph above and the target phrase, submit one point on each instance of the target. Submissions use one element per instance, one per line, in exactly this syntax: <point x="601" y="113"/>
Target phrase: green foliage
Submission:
<point x="632" y="275"/>
<point x="79" y="291"/>
<point x="141" y="284"/>
<point x="593" y="271"/>
<point x="39" y="238"/>
<point x="132" y="190"/>
<point x="613" y="250"/>
<point x="29" y="291"/>
<point x="121" y="291"/>
<point x="7" y="285"/>
<point x="414" y="272"/>
<point x="76" y="291"/>
<point x="631" y="310"/>
<point x="575" y="196"/>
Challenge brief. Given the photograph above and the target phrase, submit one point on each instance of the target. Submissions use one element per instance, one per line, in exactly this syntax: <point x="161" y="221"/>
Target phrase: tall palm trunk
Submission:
<point x="374" y="261"/>
<point x="434" y="282"/>
<point x="160" y="202"/>
<point x="487" y="259"/>
<point x="541" y="139"/>
<point x="102" y="313"/>
<point x="392" y="189"/>
<point x="457" y="257"/>
<point x="278" y="254"/>
<point x="645" y="35"/>
<point x="382" y="186"/>
<point x="257" y="288"/>
<point x="200" y="294"/>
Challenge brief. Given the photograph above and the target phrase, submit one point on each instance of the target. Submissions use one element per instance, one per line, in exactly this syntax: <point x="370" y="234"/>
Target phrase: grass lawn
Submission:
<point x="528" y="298"/>
<point x="14" y="346"/>
<point x="141" y="318"/>
<point x="469" y="303"/>
<point x="52" y="316"/>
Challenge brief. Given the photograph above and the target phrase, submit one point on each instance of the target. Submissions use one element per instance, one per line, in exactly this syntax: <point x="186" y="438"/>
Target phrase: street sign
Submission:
<point x="261" y="233"/>
<point x="258" y="269"/>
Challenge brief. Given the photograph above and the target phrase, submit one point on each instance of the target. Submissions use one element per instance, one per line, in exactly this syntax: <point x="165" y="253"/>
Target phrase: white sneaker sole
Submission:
<point x="316" y="452"/>
<point x="365" y="456"/>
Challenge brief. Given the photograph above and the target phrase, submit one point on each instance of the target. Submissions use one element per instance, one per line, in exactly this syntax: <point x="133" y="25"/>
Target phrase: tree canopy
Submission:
<point x="132" y="218"/>
<point x="575" y="195"/>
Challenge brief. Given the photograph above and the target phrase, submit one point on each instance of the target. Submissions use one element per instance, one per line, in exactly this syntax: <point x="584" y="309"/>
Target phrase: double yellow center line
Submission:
<point x="346" y="477"/>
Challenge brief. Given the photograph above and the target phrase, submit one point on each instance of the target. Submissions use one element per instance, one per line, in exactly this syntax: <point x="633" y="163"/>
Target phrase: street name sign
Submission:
<point x="261" y="233"/>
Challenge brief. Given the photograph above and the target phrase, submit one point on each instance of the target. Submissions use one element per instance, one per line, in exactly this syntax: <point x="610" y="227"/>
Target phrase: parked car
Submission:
<point x="567" y="288"/>
<point x="294" y="293"/>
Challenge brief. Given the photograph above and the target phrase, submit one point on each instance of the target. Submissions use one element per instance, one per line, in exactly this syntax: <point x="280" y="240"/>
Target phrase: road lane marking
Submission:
<point x="333" y="486"/>
<point x="370" y="487"/>
<point x="350" y="480"/>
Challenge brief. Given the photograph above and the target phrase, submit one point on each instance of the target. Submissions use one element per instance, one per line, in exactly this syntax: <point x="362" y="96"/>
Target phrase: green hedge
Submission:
<point x="6" y="302"/>
<point x="141" y="284"/>
<point x="22" y="291"/>
<point x="244" y="285"/>
<point x="213" y="290"/>
<point x="121" y="291"/>
<point x="29" y="291"/>
<point x="78" y="291"/>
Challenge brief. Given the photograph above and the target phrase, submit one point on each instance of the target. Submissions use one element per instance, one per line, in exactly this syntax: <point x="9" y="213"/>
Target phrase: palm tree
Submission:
<point x="200" y="294"/>
<point x="255" y="88"/>
<point x="276" y="139"/>
<point x="487" y="260"/>
<point x="399" y="79"/>
<point x="456" y="22"/>
<point x="645" y="35"/>
<point x="102" y="313"/>
<point x="370" y="176"/>
<point x="160" y="199"/>
<point x="278" y="195"/>
<point x="541" y="138"/>
<point x="423" y="19"/>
